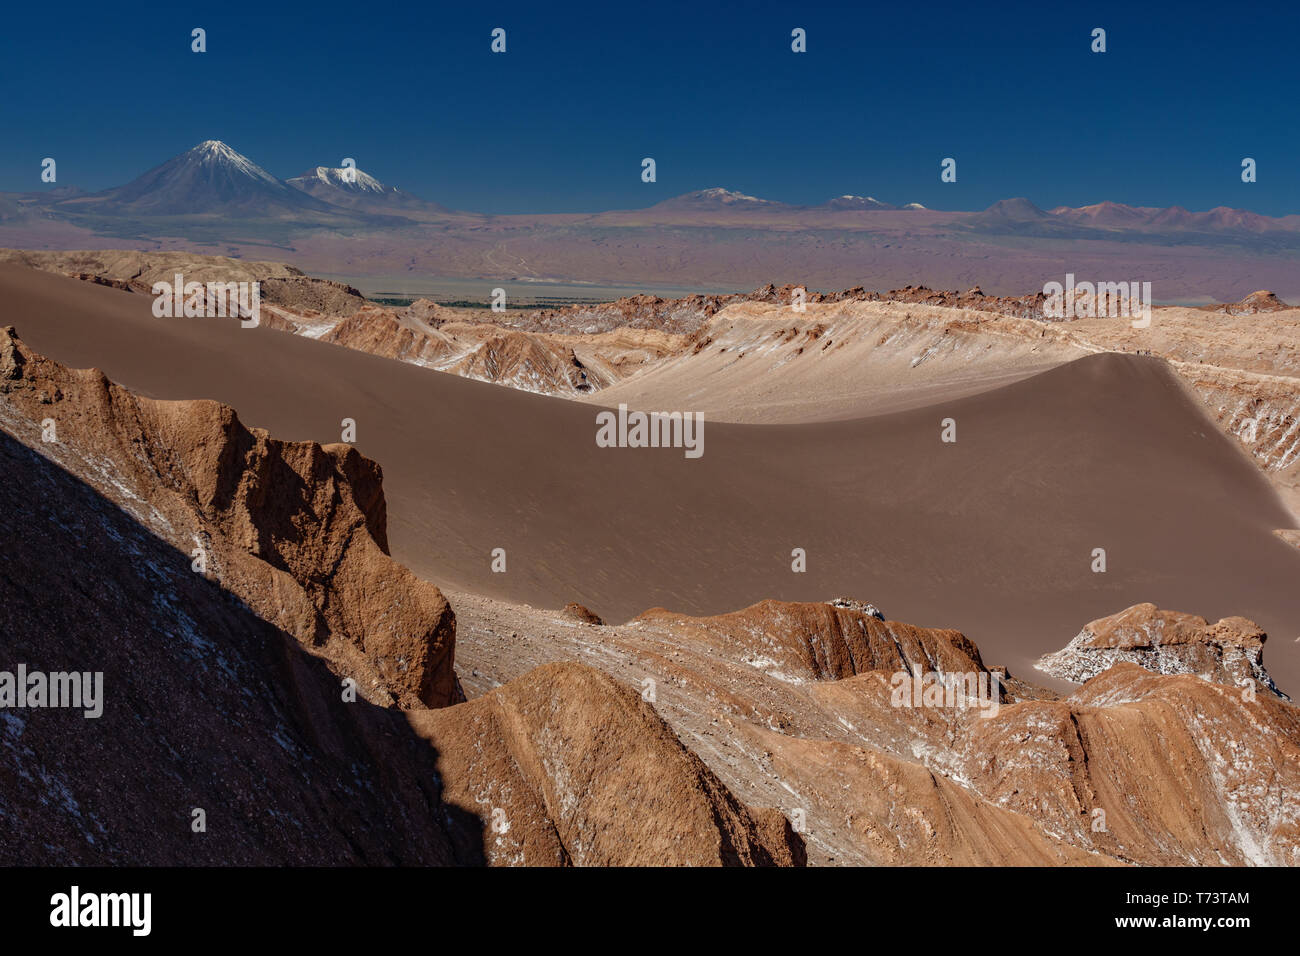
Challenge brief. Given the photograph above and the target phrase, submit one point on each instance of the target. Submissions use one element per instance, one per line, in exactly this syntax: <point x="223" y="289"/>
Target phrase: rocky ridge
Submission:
<point x="1230" y="651"/>
<point x="798" y="706"/>
<point x="571" y="767"/>
<point x="296" y="530"/>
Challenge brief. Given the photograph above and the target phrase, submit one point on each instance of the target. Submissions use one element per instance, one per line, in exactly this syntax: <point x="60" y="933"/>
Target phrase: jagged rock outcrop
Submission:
<point x="1150" y="768"/>
<point x="1165" y="642"/>
<point x="689" y="314"/>
<point x="855" y="605"/>
<point x="582" y="614"/>
<point x="384" y="332"/>
<point x="1253" y="304"/>
<point x="428" y="312"/>
<point x="1133" y="767"/>
<point x="897" y="812"/>
<point x="301" y="293"/>
<point x="296" y="530"/>
<point x="546" y="363"/>
<point x="813" y="641"/>
<point x="569" y="767"/>
<point x="644" y="312"/>
<point x="221" y="740"/>
<point x="528" y="362"/>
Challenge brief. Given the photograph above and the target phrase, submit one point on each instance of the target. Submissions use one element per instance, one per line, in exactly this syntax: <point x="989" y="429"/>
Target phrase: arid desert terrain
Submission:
<point x="365" y="570"/>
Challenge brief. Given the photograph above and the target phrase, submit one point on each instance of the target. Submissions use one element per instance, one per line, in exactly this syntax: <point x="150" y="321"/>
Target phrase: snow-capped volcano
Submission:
<point x="349" y="180"/>
<point x="209" y="178"/>
<point x="221" y="160"/>
<point x="728" y="196"/>
<point x="356" y="189"/>
<point x="719" y="198"/>
<point x="857" y="202"/>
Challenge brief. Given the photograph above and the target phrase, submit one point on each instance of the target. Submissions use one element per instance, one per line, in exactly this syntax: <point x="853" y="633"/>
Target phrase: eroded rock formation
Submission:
<point x="297" y="531"/>
<point x="570" y="767"/>
<point x="1230" y="651"/>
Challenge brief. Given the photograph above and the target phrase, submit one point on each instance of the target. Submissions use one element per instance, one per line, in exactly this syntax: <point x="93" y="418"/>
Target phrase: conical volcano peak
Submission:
<point x="213" y="152"/>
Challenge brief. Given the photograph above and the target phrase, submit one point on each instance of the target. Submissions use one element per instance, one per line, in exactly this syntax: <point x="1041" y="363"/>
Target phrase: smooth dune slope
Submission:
<point x="993" y="534"/>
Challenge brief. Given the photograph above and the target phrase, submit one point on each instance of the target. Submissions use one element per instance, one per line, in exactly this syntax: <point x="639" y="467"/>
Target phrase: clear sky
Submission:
<point x="562" y="120"/>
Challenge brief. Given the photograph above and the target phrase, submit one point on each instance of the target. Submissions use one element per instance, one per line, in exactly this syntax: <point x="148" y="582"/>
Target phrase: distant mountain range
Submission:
<point x="1112" y="216"/>
<point x="718" y="198"/>
<point x="212" y="179"/>
<point x="348" y="222"/>
<point x="209" y="179"/>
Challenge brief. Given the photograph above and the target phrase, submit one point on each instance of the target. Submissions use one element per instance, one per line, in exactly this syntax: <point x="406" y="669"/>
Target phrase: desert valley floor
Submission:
<point x="993" y="533"/>
<point x="823" y="433"/>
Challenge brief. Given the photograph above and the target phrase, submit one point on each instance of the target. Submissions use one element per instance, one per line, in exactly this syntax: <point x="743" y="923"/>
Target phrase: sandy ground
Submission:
<point x="993" y="535"/>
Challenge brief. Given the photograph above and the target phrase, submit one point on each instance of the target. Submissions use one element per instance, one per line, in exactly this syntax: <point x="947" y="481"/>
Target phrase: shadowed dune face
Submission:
<point x="994" y="533"/>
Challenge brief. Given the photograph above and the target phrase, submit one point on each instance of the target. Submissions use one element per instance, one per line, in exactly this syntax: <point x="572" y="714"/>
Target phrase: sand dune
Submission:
<point x="993" y="534"/>
<point x="760" y="363"/>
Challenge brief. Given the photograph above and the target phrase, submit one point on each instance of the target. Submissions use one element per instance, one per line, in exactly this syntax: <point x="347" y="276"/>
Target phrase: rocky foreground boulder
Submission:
<point x="1230" y="651"/>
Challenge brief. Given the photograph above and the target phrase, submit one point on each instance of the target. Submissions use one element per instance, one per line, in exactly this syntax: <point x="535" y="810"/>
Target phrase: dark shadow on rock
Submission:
<point x="206" y="706"/>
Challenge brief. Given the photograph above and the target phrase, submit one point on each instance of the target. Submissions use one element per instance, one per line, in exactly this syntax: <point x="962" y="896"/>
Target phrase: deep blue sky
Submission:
<point x="712" y="92"/>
